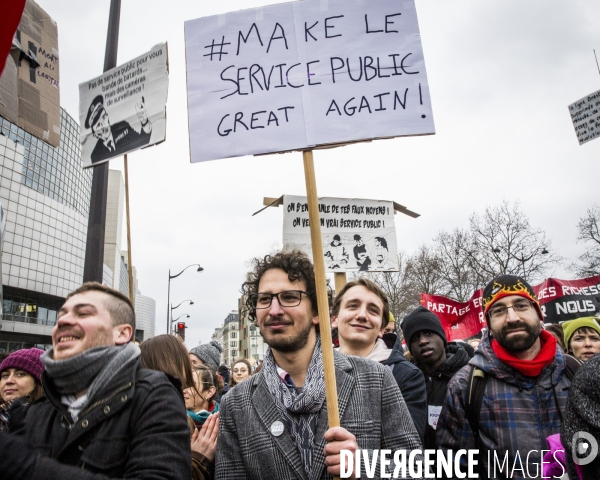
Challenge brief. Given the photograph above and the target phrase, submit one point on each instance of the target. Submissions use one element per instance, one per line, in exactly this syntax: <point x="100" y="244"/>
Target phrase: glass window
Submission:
<point x="18" y="310"/>
<point x="7" y="307"/>
<point x="42" y="316"/>
<point x="51" y="317"/>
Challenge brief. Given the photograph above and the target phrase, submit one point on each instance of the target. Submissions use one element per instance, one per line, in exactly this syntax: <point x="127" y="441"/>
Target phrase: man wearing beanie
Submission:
<point x="582" y="337"/>
<point x="207" y="354"/>
<point x="437" y="359"/>
<point x="102" y="414"/>
<point x="525" y="382"/>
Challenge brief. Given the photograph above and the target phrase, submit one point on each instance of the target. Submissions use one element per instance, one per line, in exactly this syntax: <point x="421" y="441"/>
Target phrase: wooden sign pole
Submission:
<point x="331" y="397"/>
<point x="340" y="280"/>
<point x="129" y="264"/>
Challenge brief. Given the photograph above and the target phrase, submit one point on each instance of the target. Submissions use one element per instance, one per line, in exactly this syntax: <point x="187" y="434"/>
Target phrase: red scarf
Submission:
<point x="529" y="368"/>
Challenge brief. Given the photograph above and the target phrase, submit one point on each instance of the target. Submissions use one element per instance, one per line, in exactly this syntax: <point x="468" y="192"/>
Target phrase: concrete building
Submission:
<point x="230" y="338"/>
<point x="145" y="315"/>
<point x="46" y="195"/>
<point x="252" y="345"/>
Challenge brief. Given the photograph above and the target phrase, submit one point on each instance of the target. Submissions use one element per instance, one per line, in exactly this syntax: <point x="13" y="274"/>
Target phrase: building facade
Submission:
<point x="46" y="195"/>
<point x="252" y="345"/>
<point x="230" y="338"/>
<point x="145" y="317"/>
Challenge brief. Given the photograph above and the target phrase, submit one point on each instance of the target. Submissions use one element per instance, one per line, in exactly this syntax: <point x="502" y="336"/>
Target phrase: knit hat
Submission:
<point x="27" y="360"/>
<point x="506" y="285"/>
<point x="572" y="325"/>
<point x="209" y="353"/>
<point x="422" y="319"/>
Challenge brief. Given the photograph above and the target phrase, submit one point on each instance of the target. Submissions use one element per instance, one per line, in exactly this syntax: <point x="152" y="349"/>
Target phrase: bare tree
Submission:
<point x="588" y="229"/>
<point x="454" y="253"/>
<point x="503" y="242"/>
<point x="424" y="272"/>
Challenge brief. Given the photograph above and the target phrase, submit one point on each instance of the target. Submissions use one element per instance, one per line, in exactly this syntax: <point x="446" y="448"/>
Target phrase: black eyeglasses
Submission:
<point x="502" y="310"/>
<point x="289" y="298"/>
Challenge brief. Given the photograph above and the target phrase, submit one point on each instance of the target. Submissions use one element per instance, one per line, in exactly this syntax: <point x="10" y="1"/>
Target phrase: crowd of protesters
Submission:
<point x="97" y="405"/>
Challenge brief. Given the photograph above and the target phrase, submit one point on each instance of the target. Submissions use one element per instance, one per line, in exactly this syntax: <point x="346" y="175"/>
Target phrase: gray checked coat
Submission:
<point x="371" y="408"/>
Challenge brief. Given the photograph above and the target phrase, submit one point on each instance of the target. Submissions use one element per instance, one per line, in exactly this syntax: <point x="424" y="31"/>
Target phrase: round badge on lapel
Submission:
<point x="277" y="428"/>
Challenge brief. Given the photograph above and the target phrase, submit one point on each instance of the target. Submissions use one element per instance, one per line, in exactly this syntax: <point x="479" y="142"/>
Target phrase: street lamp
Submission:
<point x="522" y="258"/>
<point x="200" y="269"/>
<point x="173" y="308"/>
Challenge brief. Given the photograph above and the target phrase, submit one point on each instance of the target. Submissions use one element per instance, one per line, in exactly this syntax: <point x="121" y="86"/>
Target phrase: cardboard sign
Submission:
<point x="561" y="300"/>
<point x="358" y="235"/>
<point x="302" y="74"/>
<point x="585" y="114"/>
<point x="29" y="85"/>
<point x="124" y="109"/>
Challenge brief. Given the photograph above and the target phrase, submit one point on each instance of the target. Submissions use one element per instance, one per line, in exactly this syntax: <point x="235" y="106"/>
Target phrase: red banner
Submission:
<point x="561" y="300"/>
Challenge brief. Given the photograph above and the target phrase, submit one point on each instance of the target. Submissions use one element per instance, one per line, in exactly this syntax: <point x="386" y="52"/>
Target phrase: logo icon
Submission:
<point x="584" y="448"/>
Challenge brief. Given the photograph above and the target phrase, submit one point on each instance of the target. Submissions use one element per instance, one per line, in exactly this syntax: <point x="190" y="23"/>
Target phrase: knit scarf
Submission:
<point x="300" y="411"/>
<point x="200" y="417"/>
<point x="92" y="369"/>
<point x="529" y="368"/>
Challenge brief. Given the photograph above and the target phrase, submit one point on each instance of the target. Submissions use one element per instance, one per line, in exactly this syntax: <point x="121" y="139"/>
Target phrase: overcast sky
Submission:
<point x="501" y="75"/>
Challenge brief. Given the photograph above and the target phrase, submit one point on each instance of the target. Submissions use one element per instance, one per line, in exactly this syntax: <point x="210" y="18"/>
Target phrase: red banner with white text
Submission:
<point x="561" y="300"/>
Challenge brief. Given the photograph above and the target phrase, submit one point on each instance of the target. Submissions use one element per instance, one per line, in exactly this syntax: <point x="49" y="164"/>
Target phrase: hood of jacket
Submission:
<point x="486" y="360"/>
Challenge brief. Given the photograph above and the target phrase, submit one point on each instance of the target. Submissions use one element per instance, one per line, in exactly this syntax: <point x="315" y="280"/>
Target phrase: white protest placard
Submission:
<point x="358" y="235"/>
<point x="302" y="74"/>
<point x="125" y="108"/>
<point x="585" y="114"/>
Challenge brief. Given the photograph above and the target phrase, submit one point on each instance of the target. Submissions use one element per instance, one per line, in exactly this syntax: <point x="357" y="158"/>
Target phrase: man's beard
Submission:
<point x="519" y="342"/>
<point x="287" y="344"/>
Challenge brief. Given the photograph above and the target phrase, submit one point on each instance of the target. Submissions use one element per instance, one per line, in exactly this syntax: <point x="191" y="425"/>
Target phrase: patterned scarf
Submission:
<point x="300" y="411"/>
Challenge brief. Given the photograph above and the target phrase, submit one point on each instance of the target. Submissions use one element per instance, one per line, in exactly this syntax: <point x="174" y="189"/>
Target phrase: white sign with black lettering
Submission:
<point x="124" y="109"/>
<point x="358" y="235"/>
<point x="585" y="115"/>
<point x="307" y="73"/>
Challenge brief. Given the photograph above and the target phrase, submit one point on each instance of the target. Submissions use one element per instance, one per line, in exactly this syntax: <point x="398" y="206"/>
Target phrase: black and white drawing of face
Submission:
<point x="101" y="127"/>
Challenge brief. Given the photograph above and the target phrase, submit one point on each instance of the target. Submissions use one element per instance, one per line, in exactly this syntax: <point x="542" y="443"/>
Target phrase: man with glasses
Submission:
<point x="274" y="425"/>
<point x="513" y="393"/>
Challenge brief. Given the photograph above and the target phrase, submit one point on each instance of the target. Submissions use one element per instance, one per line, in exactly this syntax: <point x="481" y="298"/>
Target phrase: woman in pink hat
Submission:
<point x="20" y="374"/>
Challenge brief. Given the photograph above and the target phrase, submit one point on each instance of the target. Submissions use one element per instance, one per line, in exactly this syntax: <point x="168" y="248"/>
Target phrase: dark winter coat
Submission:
<point x="136" y="429"/>
<point x="411" y="382"/>
<point x="517" y="413"/>
<point x="456" y="358"/>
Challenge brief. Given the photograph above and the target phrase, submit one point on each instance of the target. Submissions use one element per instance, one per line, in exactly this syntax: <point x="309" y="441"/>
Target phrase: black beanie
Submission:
<point x="422" y="319"/>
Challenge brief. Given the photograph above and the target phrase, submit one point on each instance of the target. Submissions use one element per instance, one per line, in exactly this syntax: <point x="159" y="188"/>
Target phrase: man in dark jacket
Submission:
<point x="526" y="384"/>
<point x="102" y="413"/>
<point x="438" y="359"/>
<point x="361" y="313"/>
